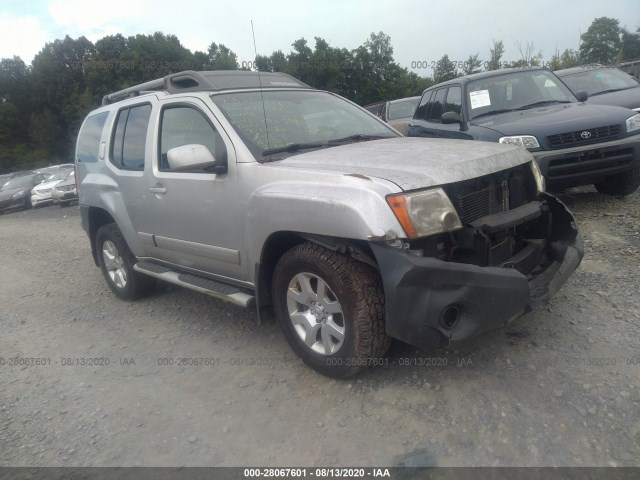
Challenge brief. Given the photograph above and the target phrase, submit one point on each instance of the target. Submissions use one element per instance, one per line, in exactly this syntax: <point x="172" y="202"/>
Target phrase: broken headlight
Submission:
<point x="424" y="213"/>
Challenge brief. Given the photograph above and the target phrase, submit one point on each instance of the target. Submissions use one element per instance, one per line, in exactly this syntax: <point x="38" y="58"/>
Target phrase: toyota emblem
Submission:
<point x="586" y="134"/>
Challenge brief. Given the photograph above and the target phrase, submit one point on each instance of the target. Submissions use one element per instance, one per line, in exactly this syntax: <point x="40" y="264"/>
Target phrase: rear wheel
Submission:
<point x="116" y="262"/>
<point x="621" y="185"/>
<point x="331" y="309"/>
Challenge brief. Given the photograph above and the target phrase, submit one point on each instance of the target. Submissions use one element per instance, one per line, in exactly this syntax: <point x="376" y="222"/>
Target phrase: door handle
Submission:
<point x="158" y="189"/>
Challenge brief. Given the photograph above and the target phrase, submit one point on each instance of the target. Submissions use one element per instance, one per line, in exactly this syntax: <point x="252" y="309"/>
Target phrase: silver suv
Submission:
<point x="262" y="191"/>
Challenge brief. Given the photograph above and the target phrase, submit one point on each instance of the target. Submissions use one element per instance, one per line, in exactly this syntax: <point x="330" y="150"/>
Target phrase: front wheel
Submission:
<point x="622" y="184"/>
<point x="331" y="309"/>
<point x="116" y="262"/>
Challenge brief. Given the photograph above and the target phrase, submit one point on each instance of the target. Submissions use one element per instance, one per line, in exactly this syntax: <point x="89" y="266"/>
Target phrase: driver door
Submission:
<point x="191" y="218"/>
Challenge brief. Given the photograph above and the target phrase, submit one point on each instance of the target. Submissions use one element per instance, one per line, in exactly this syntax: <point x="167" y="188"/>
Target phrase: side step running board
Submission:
<point x="223" y="291"/>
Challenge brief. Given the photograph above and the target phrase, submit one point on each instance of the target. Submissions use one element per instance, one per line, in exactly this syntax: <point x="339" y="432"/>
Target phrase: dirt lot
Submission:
<point x="558" y="387"/>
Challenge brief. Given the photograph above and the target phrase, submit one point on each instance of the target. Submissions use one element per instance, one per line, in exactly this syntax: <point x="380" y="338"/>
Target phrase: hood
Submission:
<point x="629" y="98"/>
<point x="46" y="185"/>
<point x="5" y="194"/>
<point x="554" y="119"/>
<point x="412" y="163"/>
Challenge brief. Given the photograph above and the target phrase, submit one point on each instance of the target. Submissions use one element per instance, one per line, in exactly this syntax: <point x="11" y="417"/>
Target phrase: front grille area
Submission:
<point x="592" y="161"/>
<point x="490" y="195"/>
<point x="501" y="252"/>
<point x="583" y="137"/>
<point x="488" y="200"/>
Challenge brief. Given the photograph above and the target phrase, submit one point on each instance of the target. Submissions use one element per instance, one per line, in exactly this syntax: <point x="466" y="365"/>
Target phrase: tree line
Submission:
<point x="43" y="104"/>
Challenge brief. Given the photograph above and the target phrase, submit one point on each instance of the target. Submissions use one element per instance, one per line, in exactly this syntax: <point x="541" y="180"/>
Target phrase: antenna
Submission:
<point x="264" y="109"/>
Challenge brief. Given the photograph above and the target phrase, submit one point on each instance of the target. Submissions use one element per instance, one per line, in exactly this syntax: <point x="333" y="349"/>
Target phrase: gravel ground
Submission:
<point x="557" y="387"/>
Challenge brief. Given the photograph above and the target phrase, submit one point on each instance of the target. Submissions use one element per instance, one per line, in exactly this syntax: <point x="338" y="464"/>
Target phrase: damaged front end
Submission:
<point x="516" y="248"/>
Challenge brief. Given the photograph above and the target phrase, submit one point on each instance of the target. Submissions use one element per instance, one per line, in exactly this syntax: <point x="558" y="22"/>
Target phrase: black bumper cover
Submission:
<point x="419" y="290"/>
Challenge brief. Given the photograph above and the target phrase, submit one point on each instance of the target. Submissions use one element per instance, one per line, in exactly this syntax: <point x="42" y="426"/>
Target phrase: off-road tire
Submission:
<point x="357" y="289"/>
<point x="620" y="185"/>
<point x="135" y="284"/>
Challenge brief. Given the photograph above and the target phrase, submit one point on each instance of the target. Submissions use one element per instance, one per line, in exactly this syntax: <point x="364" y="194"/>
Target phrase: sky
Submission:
<point x="421" y="32"/>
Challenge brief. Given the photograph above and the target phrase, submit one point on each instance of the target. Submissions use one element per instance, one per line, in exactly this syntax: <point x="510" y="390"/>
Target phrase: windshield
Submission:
<point x="516" y="91"/>
<point x="403" y="108"/>
<point x="61" y="175"/>
<point x="296" y="120"/>
<point x="595" y="81"/>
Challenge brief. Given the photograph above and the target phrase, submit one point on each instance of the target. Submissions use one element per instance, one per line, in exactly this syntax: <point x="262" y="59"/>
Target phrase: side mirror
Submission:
<point x="451" y="117"/>
<point x="192" y="157"/>
<point x="581" y="95"/>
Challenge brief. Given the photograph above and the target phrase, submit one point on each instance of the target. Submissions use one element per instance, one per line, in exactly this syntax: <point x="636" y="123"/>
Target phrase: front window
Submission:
<point x="600" y="80"/>
<point x="516" y="91"/>
<point x="284" y="122"/>
<point x="185" y="125"/>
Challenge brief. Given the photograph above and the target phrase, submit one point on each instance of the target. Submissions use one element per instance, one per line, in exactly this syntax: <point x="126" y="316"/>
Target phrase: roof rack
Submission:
<point x="215" y="80"/>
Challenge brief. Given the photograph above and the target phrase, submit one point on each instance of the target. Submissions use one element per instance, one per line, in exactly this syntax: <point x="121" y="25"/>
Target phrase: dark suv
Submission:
<point x="605" y="85"/>
<point x="573" y="143"/>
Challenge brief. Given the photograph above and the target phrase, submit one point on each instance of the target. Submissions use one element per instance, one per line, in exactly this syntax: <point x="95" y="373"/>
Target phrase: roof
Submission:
<point x="579" y="69"/>
<point x="391" y="101"/>
<point x="488" y="74"/>
<point x="405" y="99"/>
<point x="207" y="81"/>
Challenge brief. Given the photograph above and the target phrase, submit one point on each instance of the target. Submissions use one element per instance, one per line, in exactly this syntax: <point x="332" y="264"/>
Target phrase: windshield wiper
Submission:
<point x="541" y="103"/>
<point x="610" y="90"/>
<point x="293" y="147"/>
<point x="356" y="138"/>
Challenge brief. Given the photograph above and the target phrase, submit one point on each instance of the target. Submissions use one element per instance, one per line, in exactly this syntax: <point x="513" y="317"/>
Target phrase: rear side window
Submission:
<point x="89" y="138"/>
<point x="130" y="137"/>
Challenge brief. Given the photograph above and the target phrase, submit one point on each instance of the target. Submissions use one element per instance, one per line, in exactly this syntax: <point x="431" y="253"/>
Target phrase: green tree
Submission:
<point x="444" y="70"/>
<point x="222" y="57"/>
<point x="45" y="131"/>
<point x="495" y="57"/>
<point x="374" y="74"/>
<point x="58" y="82"/>
<point x="472" y="65"/>
<point x="299" y="61"/>
<point x="9" y="124"/>
<point x="263" y="63"/>
<point x="601" y="42"/>
<point x="527" y="58"/>
<point x="330" y="66"/>
<point x="15" y="98"/>
<point x="278" y="61"/>
<point x="630" y="45"/>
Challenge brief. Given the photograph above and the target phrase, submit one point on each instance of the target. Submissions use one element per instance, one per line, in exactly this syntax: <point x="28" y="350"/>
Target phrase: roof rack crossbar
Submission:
<point x="191" y="81"/>
<point x="153" y="85"/>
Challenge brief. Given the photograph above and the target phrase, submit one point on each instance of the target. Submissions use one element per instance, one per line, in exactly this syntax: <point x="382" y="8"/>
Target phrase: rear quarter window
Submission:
<point x="89" y="138"/>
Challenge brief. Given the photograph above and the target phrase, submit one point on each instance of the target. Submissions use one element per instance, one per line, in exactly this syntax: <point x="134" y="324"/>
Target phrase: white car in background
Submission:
<point x="41" y="194"/>
<point x="65" y="191"/>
